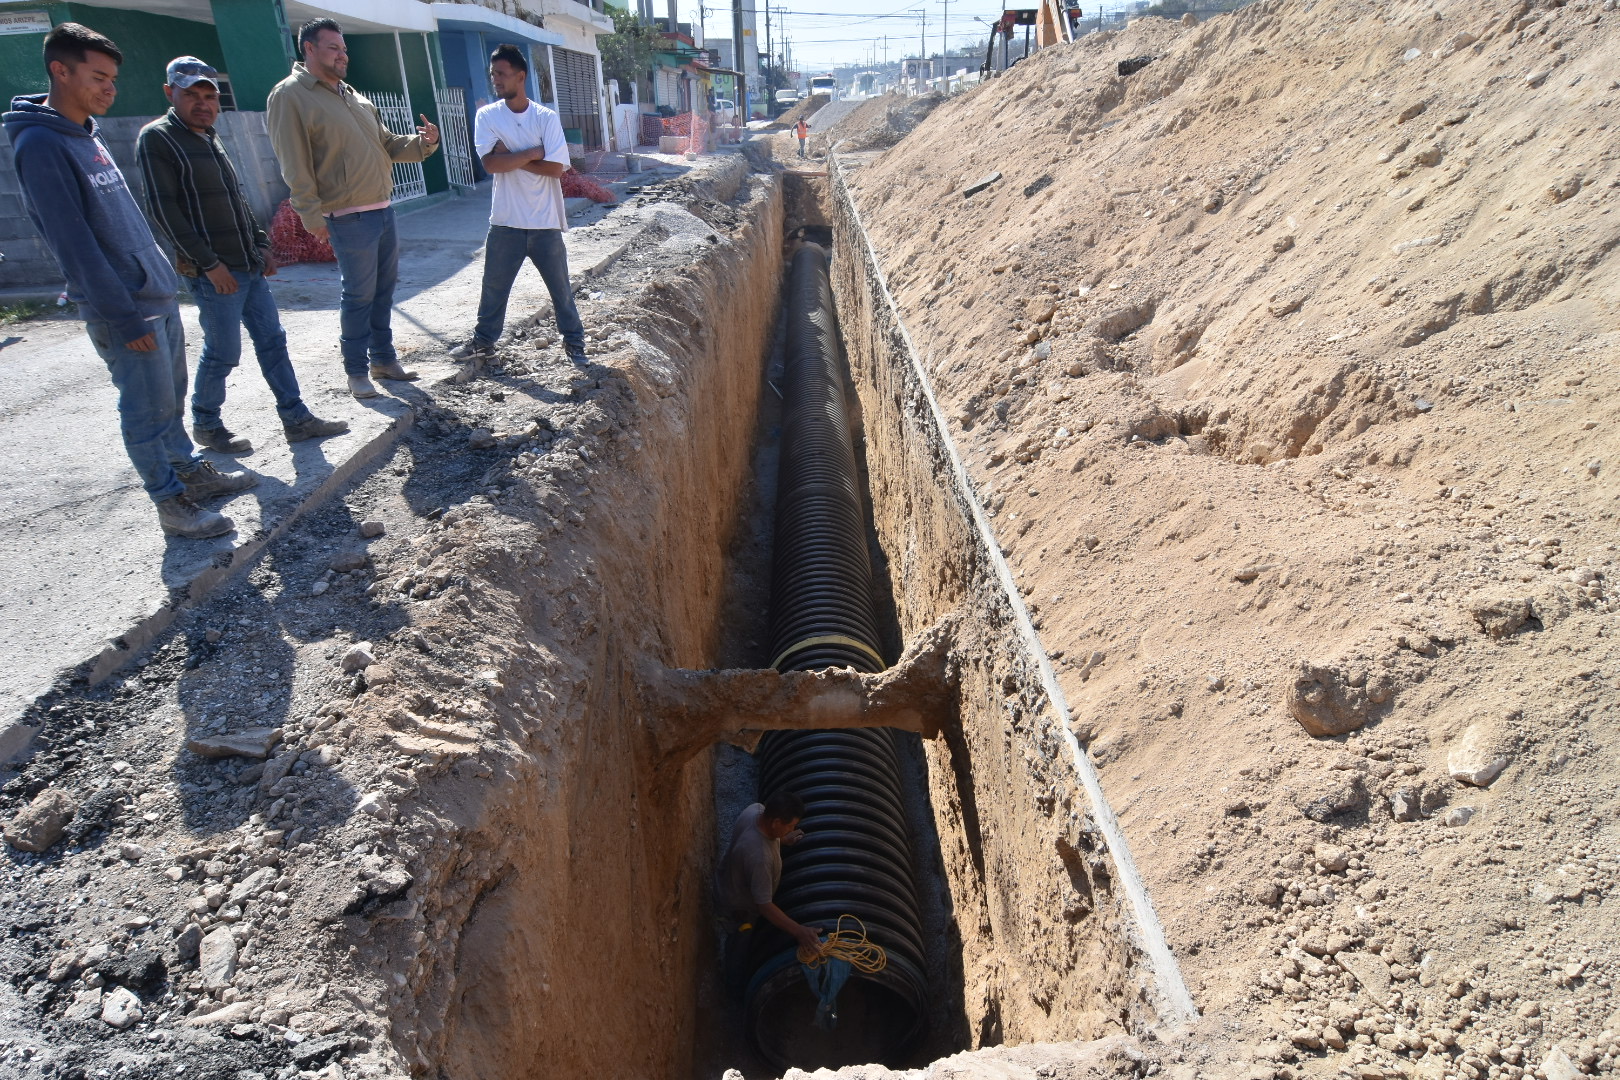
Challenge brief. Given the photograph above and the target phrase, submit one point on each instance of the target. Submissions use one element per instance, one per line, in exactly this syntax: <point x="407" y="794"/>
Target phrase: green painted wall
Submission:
<point x="248" y="31"/>
<point x="420" y="52"/>
<point x="148" y="43"/>
<point x="22" y="68"/>
<point x="374" y="65"/>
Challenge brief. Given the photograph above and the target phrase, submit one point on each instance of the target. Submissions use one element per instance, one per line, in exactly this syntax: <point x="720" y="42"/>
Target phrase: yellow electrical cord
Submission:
<point x="848" y="945"/>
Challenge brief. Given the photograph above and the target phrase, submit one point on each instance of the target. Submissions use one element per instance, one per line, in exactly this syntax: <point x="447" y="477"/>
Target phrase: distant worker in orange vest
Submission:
<point x="802" y="130"/>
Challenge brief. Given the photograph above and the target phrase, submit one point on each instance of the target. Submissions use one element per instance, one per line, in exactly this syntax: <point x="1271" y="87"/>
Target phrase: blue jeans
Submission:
<point x="367" y="249"/>
<point x="151" y="402"/>
<point x="252" y="305"/>
<point x="504" y="252"/>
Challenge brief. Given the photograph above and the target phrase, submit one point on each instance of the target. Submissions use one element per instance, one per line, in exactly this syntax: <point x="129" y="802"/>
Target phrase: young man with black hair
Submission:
<point x="338" y="160"/>
<point x="78" y="200"/>
<point x="194" y="197"/>
<point x="520" y="143"/>
<point x="752" y="868"/>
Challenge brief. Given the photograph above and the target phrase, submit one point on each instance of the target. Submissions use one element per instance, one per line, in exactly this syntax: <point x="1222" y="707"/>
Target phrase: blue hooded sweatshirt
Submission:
<point x="79" y="202"/>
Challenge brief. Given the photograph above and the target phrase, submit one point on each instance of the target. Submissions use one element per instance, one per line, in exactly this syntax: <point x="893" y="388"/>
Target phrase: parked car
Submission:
<point x="787" y="97"/>
<point x="725" y="110"/>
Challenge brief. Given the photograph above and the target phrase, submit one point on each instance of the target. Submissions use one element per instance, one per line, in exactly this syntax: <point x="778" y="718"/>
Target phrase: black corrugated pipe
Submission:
<point x="856" y="855"/>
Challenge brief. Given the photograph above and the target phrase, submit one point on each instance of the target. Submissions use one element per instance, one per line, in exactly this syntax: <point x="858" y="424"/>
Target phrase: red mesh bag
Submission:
<point x="577" y="186"/>
<point x="291" y="243"/>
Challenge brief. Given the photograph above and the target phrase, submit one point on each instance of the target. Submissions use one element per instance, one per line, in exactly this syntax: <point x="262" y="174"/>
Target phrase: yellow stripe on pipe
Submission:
<point x="831" y="639"/>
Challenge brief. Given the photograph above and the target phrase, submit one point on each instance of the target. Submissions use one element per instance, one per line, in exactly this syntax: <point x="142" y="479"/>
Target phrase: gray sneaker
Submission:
<point x="576" y="353"/>
<point x="180" y="516"/>
<point x="205" y="481"/>
<point x="221" y="441"/>
<point x="314" y="428"/>
<point x="473" y="350"/>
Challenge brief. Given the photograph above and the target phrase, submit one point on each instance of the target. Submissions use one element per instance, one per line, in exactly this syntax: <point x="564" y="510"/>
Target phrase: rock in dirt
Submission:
<point x="251" y="742"/>
<point x="1476" y="758"/>
<point x="254" y="884"/>
<point x="41" y="823"/>
<point x="1370" y="971"/>
<point x="1332" y="858"/>
<point x="371" y="529"/>
<point x="187" y="943"/>
<point x="121" y="1009"/>
<point x="359" y="657"/>
<point x="217" y="959"/>
<point x="1458" y="816"/>
<point x="979" y="185"/>
<point x="1406" y="804"/>
<point x="313" y="1053"/>
<point x="1558" y="1066"/>
<point x="345" y="561"/>
<point x="141" y="970"/>
<point x="1500" y="616"/>
<point x="1327" y="701"/>
<point x="86" y="1006"/>
<point x="235" y="1013"/>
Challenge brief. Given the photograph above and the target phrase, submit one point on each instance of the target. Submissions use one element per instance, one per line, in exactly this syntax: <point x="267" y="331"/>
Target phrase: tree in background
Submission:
<point x="627" y="53"/>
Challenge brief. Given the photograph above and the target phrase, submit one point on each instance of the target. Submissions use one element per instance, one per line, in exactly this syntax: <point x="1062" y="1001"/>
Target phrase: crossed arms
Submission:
<point x="533" y="160"/>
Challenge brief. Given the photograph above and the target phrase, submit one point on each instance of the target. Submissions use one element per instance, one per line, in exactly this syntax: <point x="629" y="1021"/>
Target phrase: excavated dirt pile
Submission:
<point x="1284" y="368"/>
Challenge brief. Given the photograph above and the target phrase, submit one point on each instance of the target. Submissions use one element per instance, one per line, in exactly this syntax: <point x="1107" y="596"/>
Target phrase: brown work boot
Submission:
<point x="180" y="516"/>
<point x="221" y="441"/>
<point x="392" y="370"/>
<point x="205" y="481"/>
<point x="314" y="428"/>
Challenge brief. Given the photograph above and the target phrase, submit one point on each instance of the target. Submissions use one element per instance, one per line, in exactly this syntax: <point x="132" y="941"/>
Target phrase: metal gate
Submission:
<point x="453" y="133"/>
<point x="578" y="96"/>
<point x="396" y="117"/>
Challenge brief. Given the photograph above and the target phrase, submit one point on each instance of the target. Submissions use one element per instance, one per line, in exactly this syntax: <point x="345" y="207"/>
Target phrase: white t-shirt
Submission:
<point x="521" y="199"/>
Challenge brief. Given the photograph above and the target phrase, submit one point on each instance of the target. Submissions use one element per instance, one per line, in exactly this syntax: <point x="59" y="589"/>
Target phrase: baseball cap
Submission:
<point x="186" y="71"/>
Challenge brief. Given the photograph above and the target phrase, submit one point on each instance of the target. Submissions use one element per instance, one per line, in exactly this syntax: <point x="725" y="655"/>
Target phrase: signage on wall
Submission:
<point x="24" y="22"/>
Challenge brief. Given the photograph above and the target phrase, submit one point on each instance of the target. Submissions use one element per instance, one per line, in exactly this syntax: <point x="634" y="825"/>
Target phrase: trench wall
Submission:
<point x="1050" y="942"/>
<point x="558" y="919"/>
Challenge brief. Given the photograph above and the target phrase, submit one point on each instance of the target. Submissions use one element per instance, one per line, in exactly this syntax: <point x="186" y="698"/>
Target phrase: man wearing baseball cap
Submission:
<point x="195" y="198"/>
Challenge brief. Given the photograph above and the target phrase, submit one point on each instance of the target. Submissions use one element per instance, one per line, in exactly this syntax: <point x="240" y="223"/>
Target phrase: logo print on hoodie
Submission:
<point x="111" y="176"/>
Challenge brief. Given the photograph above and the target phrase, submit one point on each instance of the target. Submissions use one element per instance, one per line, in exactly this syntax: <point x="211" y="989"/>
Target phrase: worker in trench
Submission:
<point x="748" y="875"/>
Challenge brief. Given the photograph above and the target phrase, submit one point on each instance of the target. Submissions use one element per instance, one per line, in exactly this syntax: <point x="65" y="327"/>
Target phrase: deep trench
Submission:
<point x="876" y="1023"/>
<point x="1026" y="934"/>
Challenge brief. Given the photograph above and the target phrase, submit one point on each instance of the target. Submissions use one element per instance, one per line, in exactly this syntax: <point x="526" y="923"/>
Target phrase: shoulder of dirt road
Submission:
<point x="92" y="583"/>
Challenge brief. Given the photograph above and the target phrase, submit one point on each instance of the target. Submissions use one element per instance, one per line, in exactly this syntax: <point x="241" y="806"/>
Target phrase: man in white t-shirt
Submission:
<point x="520" y="143"/>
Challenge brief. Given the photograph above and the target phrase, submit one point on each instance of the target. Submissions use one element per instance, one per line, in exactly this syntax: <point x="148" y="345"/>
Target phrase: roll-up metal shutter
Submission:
<point x="577" y="96"/>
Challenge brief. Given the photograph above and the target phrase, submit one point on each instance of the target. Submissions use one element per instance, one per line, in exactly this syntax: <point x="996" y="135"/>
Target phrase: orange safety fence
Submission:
<point x="694" y="127"/>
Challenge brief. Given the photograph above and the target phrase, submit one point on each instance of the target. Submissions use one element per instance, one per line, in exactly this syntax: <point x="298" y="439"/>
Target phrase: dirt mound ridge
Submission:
<point x="878" y="123"/>
<point x="1284" y="367"/>
<point x="804" y="110"/>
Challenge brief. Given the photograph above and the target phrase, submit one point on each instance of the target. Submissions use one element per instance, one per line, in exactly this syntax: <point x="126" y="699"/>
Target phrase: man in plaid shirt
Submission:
<point x="194" y="197"/>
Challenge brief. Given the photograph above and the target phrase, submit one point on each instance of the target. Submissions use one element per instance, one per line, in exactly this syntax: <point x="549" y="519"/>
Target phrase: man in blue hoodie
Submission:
<point x="122" y="282"/>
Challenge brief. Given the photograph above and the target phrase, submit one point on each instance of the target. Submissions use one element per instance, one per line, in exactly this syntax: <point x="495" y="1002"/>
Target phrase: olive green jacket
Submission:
<point x="333" y="148"/>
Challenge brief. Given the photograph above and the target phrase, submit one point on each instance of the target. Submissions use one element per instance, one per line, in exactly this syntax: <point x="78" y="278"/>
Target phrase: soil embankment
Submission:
<point x="1284" y="367"/>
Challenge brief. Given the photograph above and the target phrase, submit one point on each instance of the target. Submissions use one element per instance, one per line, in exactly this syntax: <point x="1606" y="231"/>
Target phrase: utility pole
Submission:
<point x="944" y="41"/>
<point x="737" y="60"/>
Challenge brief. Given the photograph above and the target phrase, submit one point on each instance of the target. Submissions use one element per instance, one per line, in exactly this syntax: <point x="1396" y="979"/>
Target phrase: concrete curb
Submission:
<point x="16" y="736"/>
<point x="1176" y="1006"/>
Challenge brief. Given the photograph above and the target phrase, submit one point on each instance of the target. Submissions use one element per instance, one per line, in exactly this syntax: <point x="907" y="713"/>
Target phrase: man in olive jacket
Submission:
<point x="337" y="159"/>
